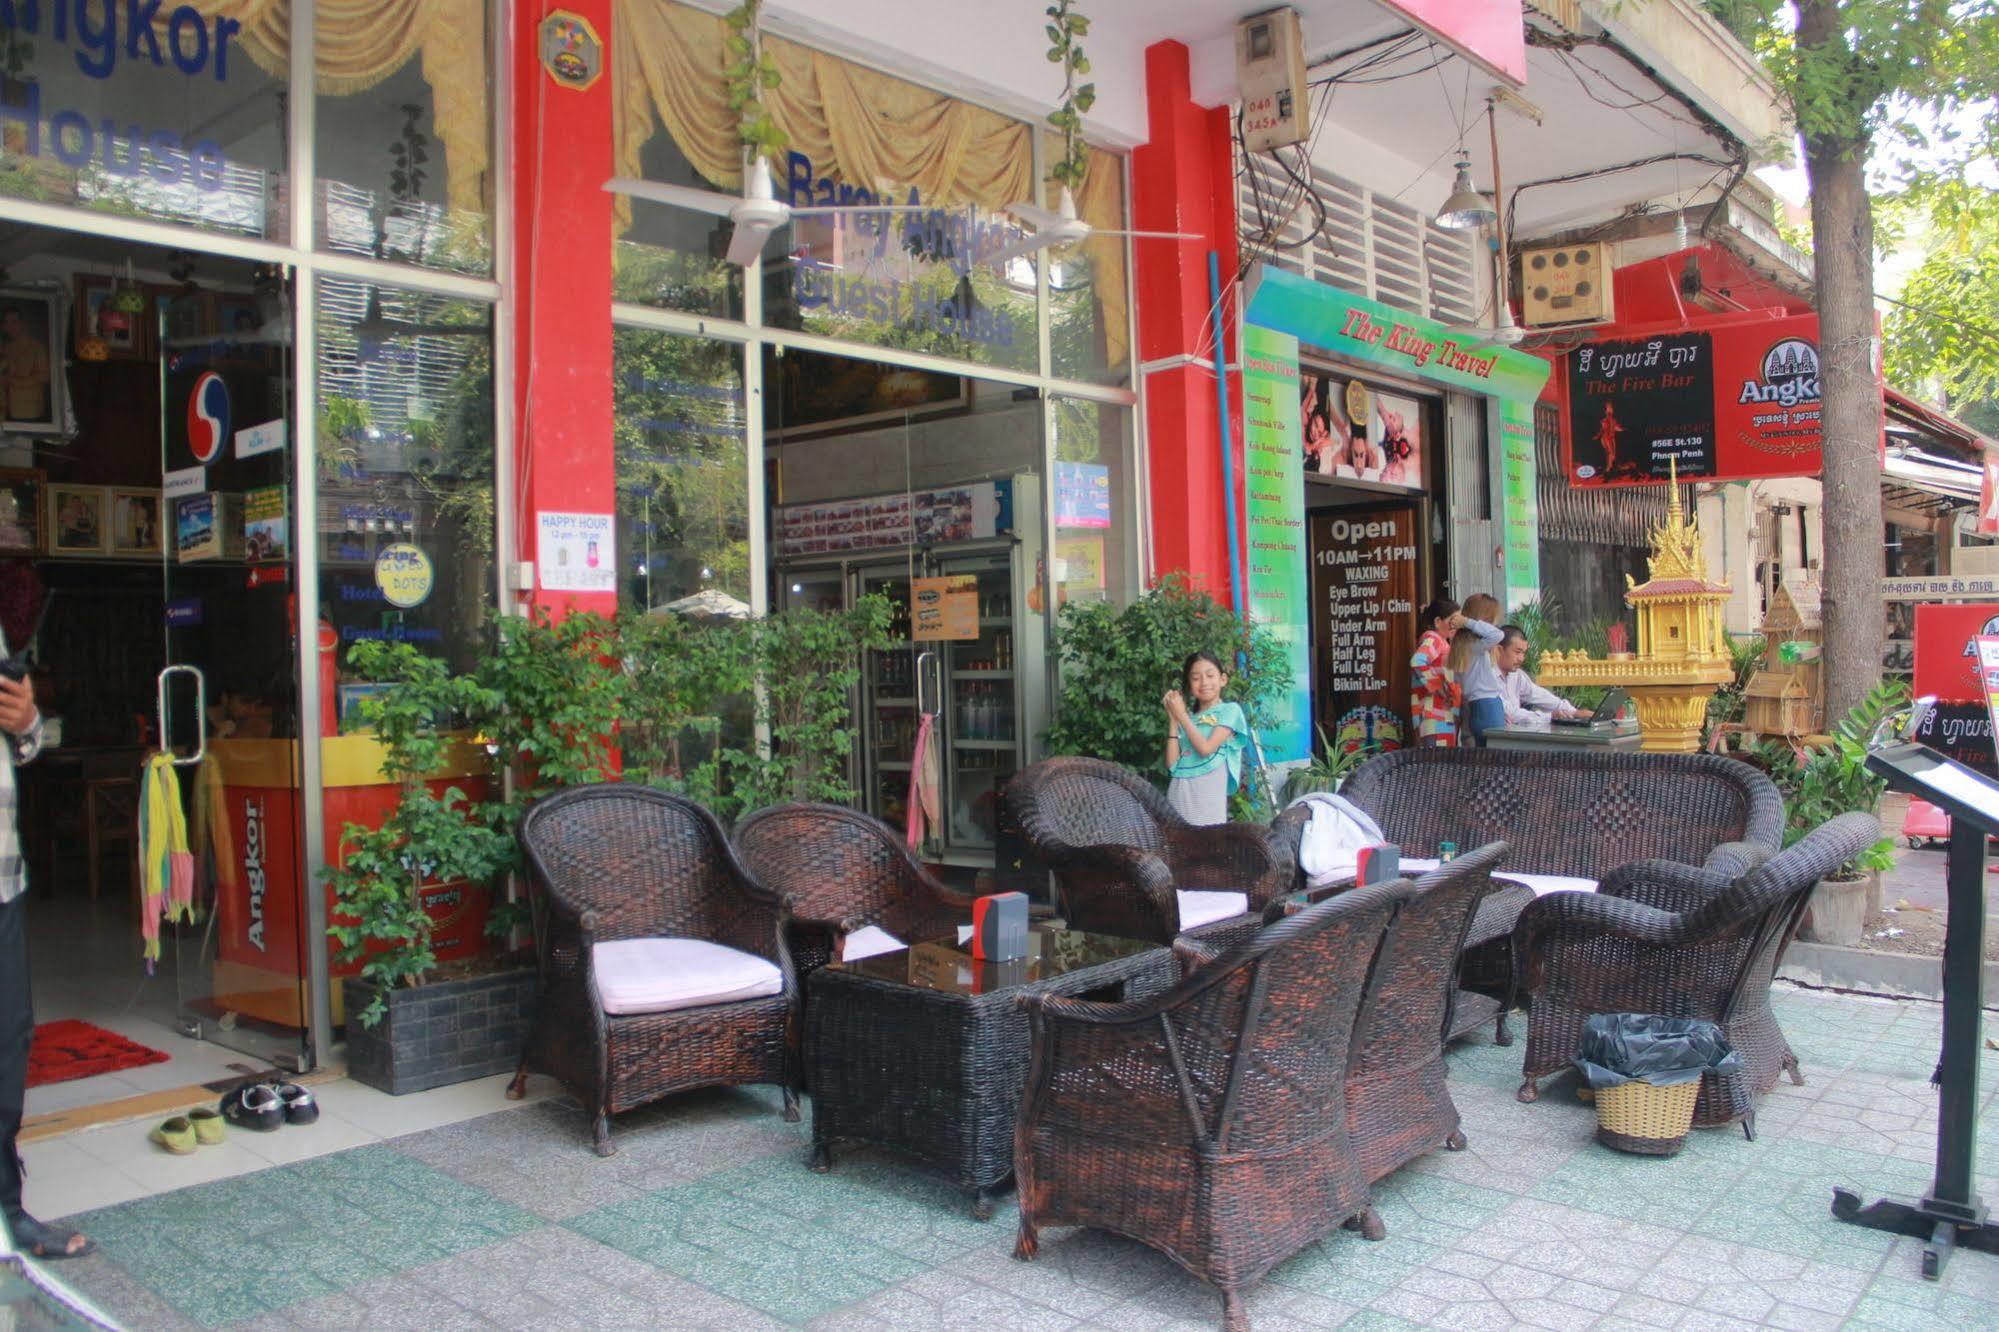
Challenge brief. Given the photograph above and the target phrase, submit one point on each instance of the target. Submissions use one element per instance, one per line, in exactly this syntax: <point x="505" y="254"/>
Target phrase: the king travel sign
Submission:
<point x="1733" y="402"/>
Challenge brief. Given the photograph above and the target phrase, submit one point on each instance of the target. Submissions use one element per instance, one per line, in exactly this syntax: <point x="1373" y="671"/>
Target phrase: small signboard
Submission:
<point x="946" y="608"/>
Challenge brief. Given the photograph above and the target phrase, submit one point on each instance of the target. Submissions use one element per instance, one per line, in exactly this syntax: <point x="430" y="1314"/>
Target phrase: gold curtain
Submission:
<point x="359" y="43"/>
<point x="868" y="128"/>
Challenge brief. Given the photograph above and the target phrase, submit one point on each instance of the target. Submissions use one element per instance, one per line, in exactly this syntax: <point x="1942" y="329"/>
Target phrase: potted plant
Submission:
<point x="1828" y="781"/>
<point x="1326" y="769"/>
<point x="544" y="702"/>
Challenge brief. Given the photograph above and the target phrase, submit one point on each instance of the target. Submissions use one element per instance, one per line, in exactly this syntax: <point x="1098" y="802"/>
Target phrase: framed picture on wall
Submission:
<point x="77" y="521"/>
<point x="31" y="342"/>
<point x="182" y="316"/>
<point x="136" y="528"/>
<point x="236" y="315"/>
<point x="20" y="511"/>
<point x="130" y="341"/>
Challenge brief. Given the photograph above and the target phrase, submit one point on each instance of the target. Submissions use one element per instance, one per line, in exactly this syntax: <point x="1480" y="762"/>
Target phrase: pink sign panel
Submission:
<point x="1490" y="33"/>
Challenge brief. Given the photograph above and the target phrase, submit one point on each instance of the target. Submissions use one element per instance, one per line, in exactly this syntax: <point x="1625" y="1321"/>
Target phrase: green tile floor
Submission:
<point x="707" y="1217"/>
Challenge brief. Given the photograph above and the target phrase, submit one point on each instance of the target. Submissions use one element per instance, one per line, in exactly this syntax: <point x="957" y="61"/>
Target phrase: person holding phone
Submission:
<point x="21" y="724"/>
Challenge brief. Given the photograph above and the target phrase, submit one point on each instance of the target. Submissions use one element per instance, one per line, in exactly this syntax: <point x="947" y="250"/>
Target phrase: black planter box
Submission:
<point x="435" y="1035"/>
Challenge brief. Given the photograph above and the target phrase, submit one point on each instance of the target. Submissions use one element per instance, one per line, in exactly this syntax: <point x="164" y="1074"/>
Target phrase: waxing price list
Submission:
<point x="1364" y="568"/>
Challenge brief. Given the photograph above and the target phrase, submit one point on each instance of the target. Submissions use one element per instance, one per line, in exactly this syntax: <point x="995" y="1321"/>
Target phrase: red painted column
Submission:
<point x="1183" y="180"/>
<point x="561" y="139"/>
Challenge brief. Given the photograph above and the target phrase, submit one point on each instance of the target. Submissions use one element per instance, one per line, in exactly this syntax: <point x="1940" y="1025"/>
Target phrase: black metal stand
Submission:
<point x="1950" y="1214"/>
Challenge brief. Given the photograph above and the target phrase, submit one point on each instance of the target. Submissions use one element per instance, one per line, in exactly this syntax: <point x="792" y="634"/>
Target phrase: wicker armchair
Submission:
<point x="1658" y="937"/>
<point x="616" y="862"/>
<point x="1398" y="1107"/>
<point x="1208" y="1121"/>
<point x="1569" y="813"/>
<point x="1119" y="852"/>
<point x="836" y="870"/>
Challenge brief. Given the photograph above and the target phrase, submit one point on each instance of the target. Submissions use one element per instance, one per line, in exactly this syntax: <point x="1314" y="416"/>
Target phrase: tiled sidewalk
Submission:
<point x="707" y="1217"/>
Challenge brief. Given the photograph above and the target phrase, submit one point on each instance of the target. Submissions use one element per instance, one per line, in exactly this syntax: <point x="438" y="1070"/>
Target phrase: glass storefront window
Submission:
<point x="403" y="151"/>
<point x="178" y="120"/>
<point x="1089" y="289"/>
<point x="681" y="442"/>
<point x="911" y="281"/>
<point x="1096" y="513"/>
<point x="406" y="464"/>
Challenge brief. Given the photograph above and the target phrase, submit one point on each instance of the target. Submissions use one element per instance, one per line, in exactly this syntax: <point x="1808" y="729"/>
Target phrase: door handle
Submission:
<point x="929" y="687"/>
<point x="200" y="716"/>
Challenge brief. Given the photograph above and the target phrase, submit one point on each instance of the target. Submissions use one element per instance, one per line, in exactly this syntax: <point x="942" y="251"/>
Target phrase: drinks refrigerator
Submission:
<point x="988" y="694"/>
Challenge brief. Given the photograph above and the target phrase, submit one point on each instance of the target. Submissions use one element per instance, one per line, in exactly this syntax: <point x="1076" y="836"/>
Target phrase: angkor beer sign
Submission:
<point x="1734" y="402"/>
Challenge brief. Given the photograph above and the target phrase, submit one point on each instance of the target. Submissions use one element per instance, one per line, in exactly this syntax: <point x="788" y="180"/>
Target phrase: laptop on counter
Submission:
<point x="1605" y="716"/>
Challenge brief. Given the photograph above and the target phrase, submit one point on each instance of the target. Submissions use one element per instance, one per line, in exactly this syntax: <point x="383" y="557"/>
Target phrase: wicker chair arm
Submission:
<point x="1663" y="885"/>
<point x="1193" y="954"/>
<point x="1593" y="913"/>
<point x="1732" y="860"/>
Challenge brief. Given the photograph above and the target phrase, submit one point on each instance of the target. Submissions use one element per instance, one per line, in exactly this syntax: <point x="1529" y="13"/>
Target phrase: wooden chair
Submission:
<point x="1209" y="1122"/>
<point x="663" y="963"/>
<point x="1659" y="937"/>
<point x="837" y="871"/>
<point x="1126" y="863"/>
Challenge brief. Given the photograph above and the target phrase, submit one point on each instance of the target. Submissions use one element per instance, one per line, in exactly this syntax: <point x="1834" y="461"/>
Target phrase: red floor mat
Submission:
<point x="70" y="1049"/>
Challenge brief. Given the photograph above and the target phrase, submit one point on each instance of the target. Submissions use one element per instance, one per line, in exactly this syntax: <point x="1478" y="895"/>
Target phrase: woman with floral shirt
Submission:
<point x="1434" y="693"/>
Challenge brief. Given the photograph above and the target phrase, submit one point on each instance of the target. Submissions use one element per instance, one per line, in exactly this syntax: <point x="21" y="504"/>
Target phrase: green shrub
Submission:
<point x="1118" y="663"/>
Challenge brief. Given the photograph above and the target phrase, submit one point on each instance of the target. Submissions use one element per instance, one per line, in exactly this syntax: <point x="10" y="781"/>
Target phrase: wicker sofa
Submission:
<point x="1126" y="863"/>
<point x="1569" y="813"/>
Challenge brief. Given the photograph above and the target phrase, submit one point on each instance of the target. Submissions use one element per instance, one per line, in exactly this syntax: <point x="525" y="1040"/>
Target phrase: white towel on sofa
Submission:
<point x="1331" y="845"/>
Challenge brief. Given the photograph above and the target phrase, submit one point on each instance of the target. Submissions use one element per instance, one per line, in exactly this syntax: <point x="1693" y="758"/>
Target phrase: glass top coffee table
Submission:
<point x="924" y="1050"/>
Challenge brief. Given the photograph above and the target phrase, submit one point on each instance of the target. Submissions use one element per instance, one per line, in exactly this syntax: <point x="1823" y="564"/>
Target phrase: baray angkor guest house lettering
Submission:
<point x="108" y="41"/>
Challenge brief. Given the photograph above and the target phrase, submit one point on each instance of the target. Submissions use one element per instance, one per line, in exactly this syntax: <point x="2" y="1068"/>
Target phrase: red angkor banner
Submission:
<point x="1492" y="33"/>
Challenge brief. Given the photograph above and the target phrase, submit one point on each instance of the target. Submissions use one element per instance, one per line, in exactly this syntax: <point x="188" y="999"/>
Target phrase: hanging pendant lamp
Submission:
<point x="1466" y="209"/>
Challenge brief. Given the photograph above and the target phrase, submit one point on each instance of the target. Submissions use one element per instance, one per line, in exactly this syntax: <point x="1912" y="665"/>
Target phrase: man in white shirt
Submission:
<point x="1517" y="690"/>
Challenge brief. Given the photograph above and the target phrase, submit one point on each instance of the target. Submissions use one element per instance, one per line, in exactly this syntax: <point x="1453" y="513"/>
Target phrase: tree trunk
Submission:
<point x="1843" y="250"/>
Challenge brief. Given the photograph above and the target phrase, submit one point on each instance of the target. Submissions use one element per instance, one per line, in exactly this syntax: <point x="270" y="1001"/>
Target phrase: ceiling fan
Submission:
<point x="756" y="212"/>
<point x="1062" y="227"/>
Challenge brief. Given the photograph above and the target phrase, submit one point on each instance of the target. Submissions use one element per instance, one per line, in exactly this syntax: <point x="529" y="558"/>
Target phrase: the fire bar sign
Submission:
<point x="1733" y="402"/>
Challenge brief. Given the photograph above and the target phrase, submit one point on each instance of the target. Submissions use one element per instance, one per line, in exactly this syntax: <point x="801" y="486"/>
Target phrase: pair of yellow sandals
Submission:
<point x="180" y="1135"/>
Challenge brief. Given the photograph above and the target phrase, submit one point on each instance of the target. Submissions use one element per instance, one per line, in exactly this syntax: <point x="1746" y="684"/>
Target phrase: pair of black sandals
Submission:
<point x="268" y="1106"/>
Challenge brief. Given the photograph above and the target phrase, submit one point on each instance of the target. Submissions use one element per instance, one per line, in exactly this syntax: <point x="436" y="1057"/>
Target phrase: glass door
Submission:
<point x="228" y="697"/>
<point x="889" y="713"/>
<point x="981" y="706"/>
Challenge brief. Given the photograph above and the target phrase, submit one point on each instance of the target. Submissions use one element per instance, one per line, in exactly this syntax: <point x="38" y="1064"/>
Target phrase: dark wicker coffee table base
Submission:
<point x="934" y="1076"/>
<point x="1485" y="966"/>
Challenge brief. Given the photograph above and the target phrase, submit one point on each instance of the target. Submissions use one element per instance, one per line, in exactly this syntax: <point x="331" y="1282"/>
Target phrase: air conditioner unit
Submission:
<point x="1566" y="284"/>
<point x="1270" y="75"/>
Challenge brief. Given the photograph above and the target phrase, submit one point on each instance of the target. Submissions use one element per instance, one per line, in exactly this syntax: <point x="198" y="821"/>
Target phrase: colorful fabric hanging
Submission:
<point x="166" y="868"/>
<point x="924" y="782"/>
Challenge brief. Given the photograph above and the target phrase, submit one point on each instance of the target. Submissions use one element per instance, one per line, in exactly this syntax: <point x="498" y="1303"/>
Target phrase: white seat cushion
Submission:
<point x="1202" y="908"/>
<point x="868" y="941"/>
<point x="659" y="975"/>
<point x="1543" y="884"/>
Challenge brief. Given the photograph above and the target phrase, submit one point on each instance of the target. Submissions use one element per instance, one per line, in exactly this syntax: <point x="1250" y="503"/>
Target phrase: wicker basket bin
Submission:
<point x="1639" y="1117"/>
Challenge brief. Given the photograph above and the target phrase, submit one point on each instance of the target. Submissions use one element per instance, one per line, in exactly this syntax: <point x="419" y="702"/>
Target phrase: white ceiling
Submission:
<point x="1395" y="136"/>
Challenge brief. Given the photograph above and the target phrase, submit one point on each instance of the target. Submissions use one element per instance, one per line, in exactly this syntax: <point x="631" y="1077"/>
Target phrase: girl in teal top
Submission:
<point x="1204" y="741"/>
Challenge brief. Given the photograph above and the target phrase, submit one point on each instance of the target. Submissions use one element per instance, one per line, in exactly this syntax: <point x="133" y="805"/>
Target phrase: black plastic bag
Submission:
<point x="1663" y="1051"/>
